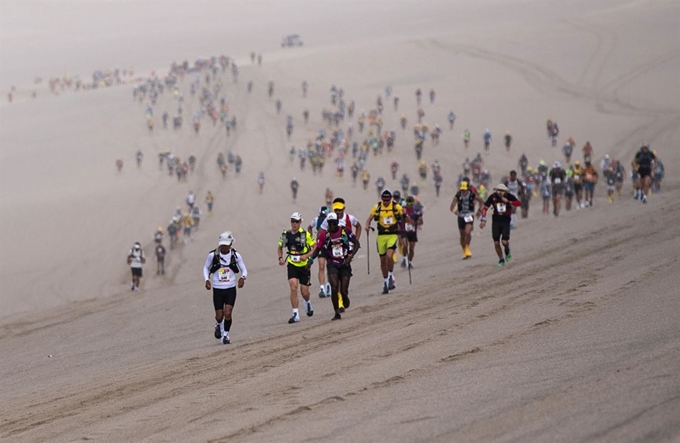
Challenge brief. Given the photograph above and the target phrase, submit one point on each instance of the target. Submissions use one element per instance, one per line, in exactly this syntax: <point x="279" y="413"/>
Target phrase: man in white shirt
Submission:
<point x="223" y="264"/>
<point x="136" y="259"/>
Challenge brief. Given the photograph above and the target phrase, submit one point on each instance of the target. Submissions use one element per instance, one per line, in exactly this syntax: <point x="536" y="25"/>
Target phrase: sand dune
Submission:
<point x="576" y="340"/>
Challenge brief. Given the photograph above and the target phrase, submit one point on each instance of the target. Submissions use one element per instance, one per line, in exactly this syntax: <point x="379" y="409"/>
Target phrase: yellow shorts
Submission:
<point x="385" y="242"/>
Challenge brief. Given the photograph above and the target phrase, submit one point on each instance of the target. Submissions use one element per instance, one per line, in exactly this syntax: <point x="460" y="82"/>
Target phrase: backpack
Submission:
<point x="287" y="240"/>
<point x="344" y="238"/>
<point x="321" y="217"/>
<point x="217" y="265"/>
<point x="379" y="210"/>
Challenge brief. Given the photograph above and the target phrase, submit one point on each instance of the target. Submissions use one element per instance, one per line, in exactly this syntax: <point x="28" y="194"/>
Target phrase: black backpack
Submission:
<point x="217" y="265"/>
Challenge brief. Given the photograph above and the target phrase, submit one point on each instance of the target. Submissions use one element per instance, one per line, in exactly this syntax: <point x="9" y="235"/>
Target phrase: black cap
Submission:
<point x="386" y="193"/>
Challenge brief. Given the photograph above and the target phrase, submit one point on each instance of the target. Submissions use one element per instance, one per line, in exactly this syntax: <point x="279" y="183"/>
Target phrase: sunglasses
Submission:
<point x="295" y="221"/>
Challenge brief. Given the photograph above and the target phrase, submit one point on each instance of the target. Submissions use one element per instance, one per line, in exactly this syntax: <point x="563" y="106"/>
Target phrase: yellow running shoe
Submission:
<point x="340" y="304"/>
<point x="468" y="253"/>
<point x="394" y="257"/>
<point x="464" y="253"/>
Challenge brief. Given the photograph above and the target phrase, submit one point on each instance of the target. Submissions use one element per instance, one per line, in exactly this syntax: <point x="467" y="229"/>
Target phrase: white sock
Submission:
<point x="327" y="289"/>
<point x="390" y="275"/>
<point x="387" y="280"/>
<point x="222" y="327"/>
<point x="295" y="313"/>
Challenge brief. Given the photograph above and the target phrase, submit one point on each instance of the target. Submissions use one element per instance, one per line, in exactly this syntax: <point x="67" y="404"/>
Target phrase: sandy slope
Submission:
<point x="576" y="340"/>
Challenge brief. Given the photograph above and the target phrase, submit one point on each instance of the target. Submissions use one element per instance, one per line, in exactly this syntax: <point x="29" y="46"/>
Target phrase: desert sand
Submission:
<point x="576" y="340"/>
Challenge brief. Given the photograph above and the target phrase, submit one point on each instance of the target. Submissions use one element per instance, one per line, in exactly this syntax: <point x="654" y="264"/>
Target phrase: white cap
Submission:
<point x="557" y="164"/>
<point x="331" y="216"/>
<point x="296" y="216"/>
<point x="226" y="238"/>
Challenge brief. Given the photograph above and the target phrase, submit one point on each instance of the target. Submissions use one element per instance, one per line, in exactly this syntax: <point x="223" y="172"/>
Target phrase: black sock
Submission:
<point x="227" y="325"/>
<point x="507" y="250"/>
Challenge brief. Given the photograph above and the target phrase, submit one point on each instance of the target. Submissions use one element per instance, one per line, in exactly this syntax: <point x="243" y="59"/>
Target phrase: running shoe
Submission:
<point x="322" y="294"/>
<point x="218" y="331"/>
<point x="346" y="301"/>
<point x="226" y="340"/>
<point x="644" y="199"/>
<point x="337" y="316"/>
<point x="385" y="289"/>
<point x="294" y="319"/>
<point x="341" y="310"/>
<point x="508" y="256"/>
<point x="308" y="309"/>
<point x="392" y="285"/>
<point x="410" y="265"/>
<point x="501" y="263"/>
<point x="468" y="253"/>
<point x="403" y="262"/>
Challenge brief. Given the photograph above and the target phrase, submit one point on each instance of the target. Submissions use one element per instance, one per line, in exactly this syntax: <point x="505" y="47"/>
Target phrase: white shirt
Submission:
<point x="342" y="221"/>
<point x="136" y="256"/>
<point x="224" y="277"/>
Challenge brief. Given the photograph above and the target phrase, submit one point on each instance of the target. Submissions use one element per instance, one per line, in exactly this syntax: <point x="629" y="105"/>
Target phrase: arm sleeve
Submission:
<point x="321" y="240"/>
<point x="206" y="267"/>
<point x="514" y="201"/>
<point x="241" y="265"/>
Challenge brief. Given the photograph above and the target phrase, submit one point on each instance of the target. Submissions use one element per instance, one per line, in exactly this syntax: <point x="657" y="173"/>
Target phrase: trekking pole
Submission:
<point x="368" y="249"/>
<point x="409" y="273"/>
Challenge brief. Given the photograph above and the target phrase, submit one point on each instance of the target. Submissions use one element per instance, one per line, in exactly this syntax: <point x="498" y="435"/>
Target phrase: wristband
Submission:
<point x="482" y="219"/>
<point x="310" y="260"/>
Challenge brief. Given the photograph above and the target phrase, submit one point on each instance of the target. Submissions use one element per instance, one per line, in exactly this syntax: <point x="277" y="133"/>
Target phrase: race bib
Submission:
<point x="558" y="181"/>
<point x="337" y="252"/>
<point x="577" y="177"/>
<point x="388" y="220"/>
<point x="295" y="258"/>
<point x="500" y="207"/>
<point x="410" y="227"/>
<point x="469" y="218"/>
<point x="589" y="176"/>
<point x="223" y="275"/>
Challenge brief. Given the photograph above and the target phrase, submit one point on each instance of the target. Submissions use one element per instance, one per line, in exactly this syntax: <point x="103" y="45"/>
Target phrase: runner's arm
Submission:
<point x="206" y="267"/>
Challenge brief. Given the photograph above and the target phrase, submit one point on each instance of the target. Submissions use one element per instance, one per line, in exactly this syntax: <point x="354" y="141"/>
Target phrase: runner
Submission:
<point x="298" y="243"/>
<point x="487" y="140"/>
<point x="466" y="138"/>
<point x="324" y="287"/>
<point x="209" y="199"/>
<point x="412" y="221"/>
<point x="196" y="216"/>
<point x="260" y="181"/>
<point x="610" y="182"/>
<point x="187" y="225"/>
<point x="365" y="179"/>
<point x="136" y="259"/>
<point x="500" y="200"/>
<point x="463" y="205"/>
<point x="158" y="236"/>
<point x="643" y="163"/>
<point x="387" y="215"/>
<point x="558" y="178"/>
<point x="190" y="199"/>
<point x="224" y="263"/>
<point x="294" y="185"/>
<point x="514" y="188"/>
<point x="160" y="259"/>
<point x="508" y="141"/>
<point x="577" y="179"/>
<point x="590" y="177"/>
<point x="340" y="245"/>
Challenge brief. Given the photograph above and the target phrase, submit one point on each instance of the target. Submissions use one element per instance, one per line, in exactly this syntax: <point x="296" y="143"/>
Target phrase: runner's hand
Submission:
<point x="241" y="282"/>
<point x="208" y="285"/>
<point x="482" y="224"/>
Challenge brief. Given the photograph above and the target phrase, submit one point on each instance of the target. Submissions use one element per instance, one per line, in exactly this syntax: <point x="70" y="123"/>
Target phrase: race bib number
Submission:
<point x="388" y="220"/>
<point x="337" y="252"/>
<point x="500" y="207"/>
<point x="410" y="227"/>
<point x="295" y="258"/>
<point x="577" y="177"/>
<point x="223" y="275"/>
<point x="558" y="181"/>
<point x="469" y="218"/>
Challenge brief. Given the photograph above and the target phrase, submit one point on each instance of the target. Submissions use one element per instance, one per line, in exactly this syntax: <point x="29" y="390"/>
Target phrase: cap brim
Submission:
<point x="225" y="243"/>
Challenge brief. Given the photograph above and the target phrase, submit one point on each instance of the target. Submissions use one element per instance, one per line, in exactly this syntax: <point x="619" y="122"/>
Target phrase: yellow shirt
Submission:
<point x="297" y="243"/>
<point x="388" y="217"/>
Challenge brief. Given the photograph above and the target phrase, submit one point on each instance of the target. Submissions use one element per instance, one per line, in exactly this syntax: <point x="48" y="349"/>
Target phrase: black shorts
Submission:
<point x="136" y="272"/>
<point x="500" y="228"/>
<point x="578" y="187"/>
<point x="223" y="297"/>
<point x="644" y="172"/>
<point x="323" y="254"/>
<point x="412" y="236"/>
<point x="301" y="273"/>
<point x="342" y="270"/>
<point x="462" y="223"/>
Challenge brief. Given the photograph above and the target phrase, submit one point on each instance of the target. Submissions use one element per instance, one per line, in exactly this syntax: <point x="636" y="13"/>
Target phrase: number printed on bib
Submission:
<point x="295" y="258"/>
<point x="337" y="252"/>
<point x="223" y="275"/>
<point x="410" y="227"/>
<point x="558" y="181"/>
<point x="500" y="207"/>
<point x="469" y="218"/>
<point x="577" y="177"/>
<point x="387" y="220"/>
